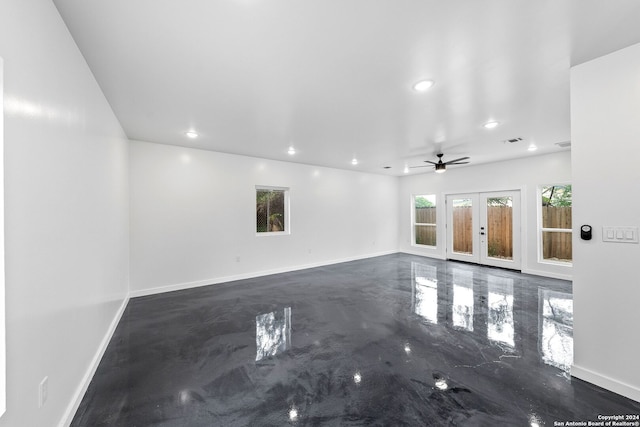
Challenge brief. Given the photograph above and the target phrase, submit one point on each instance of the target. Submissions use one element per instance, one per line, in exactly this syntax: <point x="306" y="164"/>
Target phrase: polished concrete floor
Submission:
<point x="389" y="341"/>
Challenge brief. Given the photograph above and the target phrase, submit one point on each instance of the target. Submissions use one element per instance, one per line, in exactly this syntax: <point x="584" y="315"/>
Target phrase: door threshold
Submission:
<point x="485" y="265"/>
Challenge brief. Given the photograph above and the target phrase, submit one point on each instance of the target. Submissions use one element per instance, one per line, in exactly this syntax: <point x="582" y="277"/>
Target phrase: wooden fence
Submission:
<point x="556" y="245"/>
<point x="500" y="232"/>
<point x="463" y="230"/>
<point x="425" y="234"/>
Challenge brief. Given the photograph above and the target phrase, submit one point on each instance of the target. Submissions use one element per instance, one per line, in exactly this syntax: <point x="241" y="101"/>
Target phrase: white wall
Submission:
<point x="605" y="116"/>
<point x="66" y="213"/>
<point x="524" y="174"/>
<point x="3" y="361"/>
<point x="193" y="214"/>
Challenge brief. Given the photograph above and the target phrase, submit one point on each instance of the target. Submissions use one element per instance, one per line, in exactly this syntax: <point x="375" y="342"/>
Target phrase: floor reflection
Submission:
<point x="462" y="299"/>
<point x="501" y="328"/>
<point x="425" y="291"/>
<point x="273" y="333"/>
<point x="556" y="328"/>
<point x="555" y="324"/>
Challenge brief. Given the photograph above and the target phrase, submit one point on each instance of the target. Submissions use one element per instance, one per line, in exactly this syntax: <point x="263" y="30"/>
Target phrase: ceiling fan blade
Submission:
<point x="457" y="163"/>
<point x="456" y="160"/>
<point x="421" y="166"/>
<point x="429" y="161"/>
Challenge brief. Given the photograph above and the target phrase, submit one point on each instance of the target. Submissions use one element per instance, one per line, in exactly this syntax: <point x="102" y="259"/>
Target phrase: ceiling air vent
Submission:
<point x="564" y="144"/>
<point x="512" y="140"/>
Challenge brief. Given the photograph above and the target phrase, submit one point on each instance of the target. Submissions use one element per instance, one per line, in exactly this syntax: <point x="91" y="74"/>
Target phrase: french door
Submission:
<point x="484" y="228"/>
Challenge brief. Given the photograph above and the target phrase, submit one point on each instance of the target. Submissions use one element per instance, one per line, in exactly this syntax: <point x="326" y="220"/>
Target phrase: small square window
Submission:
<point x="272" y="210"/>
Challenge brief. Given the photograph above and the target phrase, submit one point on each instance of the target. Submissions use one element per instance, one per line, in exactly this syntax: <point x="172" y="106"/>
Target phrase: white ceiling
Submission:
<point x="334" y="78"/>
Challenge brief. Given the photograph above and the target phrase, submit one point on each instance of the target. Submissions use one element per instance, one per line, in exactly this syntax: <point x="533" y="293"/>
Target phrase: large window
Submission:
<point x="555" y="224"/>
<point x="424" y="220"/>
<point x="272" y="210"/>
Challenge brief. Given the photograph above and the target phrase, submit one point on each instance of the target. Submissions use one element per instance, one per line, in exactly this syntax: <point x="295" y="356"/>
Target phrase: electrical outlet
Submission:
<point x="43" y="391"/>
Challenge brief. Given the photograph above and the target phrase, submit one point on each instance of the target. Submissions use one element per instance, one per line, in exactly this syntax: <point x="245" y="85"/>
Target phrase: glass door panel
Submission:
<point x="500" y="227"/>
<point x="462" y="236"/>
<point x="463" y="226"/>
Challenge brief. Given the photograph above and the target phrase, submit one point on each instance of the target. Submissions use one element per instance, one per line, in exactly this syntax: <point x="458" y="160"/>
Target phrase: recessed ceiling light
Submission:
<point x="291" y="151"/>
<point x="406" y="169"/>
<point x="491" y="125"/>
<point x="423" y="85"/>
<point x="532" y="147"/>
<point x="191" y="134"/>
<point x="354" y="161"/>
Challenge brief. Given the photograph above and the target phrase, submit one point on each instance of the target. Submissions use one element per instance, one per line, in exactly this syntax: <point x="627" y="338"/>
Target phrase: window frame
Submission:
<point x="542" y="230"/>
<point x="414" y="224"/>
<point x="287" y="211"/>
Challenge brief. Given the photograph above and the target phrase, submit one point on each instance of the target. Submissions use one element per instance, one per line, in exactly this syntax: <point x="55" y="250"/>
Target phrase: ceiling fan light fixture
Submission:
<point x="423" y="85"/>
<point x="441" y="168"/>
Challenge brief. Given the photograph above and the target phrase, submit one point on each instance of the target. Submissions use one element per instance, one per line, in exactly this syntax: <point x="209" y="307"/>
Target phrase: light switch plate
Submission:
<point x="618" y="234"/>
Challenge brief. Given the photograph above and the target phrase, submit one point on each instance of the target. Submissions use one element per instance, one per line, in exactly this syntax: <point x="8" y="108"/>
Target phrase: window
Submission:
<point x="555" y="229"/>
<point x="272" y="210"/>
<point x="424" y="220"/>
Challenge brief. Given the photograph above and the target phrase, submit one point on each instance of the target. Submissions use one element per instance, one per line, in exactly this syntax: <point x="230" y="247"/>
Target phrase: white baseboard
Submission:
<point x="251" y="275"/>
<point x="88" y="376"/>
<point x="626" y="390"/>
<point x="423" y="254"/>
<point x="548" y="274"/>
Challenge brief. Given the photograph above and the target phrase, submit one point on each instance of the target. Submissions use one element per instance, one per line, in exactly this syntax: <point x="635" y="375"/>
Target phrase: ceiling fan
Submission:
<point x="441" y="166"/>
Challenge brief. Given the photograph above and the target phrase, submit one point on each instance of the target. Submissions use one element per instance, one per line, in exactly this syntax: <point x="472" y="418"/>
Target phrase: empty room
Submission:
<point x="312" y="212"/>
